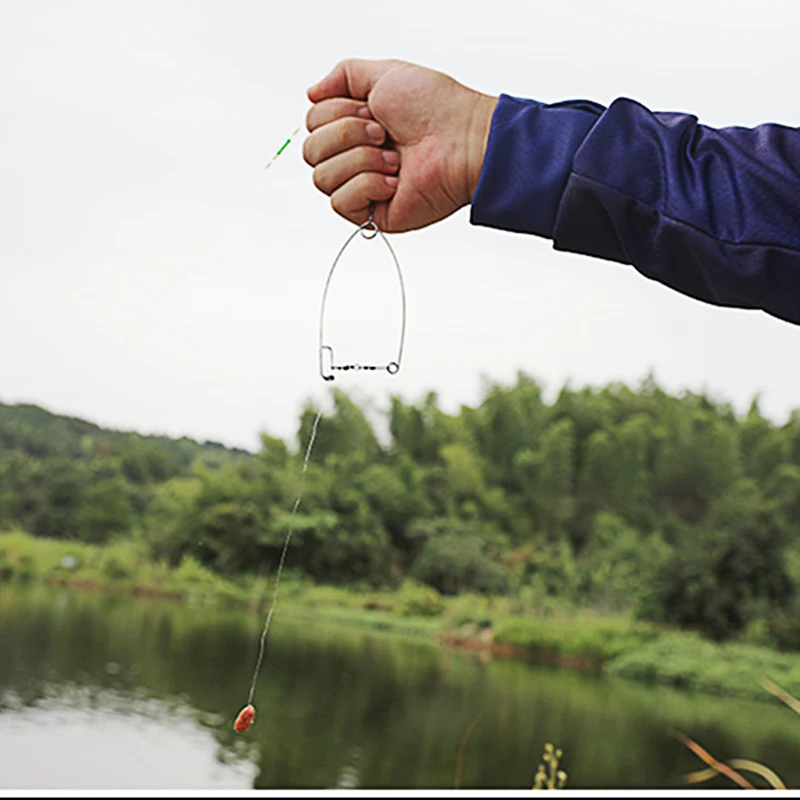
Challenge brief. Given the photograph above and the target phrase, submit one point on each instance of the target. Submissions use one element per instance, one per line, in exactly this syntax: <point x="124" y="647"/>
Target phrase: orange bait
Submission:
<point x="245" y="719"/>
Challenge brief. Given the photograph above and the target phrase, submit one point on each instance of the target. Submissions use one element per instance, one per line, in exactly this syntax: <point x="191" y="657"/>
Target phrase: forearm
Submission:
<point x="715" y="214"/>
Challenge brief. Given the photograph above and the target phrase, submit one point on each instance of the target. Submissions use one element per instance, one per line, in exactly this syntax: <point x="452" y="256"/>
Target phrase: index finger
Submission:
<point x="353" y="77"/>
<point x="337" y="107"/>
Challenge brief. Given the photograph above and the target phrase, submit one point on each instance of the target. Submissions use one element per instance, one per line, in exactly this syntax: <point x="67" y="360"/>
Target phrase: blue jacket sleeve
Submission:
<point x="714" y="214"/>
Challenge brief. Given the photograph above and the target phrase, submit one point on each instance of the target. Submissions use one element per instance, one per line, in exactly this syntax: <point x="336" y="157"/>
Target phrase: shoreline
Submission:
<point x="503" y="650"/>
<point x="89" y="585"/>
<point x="583" y="640"/>
<point x="391" y="623"/>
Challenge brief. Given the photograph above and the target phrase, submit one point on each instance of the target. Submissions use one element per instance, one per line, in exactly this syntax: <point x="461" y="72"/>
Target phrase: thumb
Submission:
<point x="353" y="77"/>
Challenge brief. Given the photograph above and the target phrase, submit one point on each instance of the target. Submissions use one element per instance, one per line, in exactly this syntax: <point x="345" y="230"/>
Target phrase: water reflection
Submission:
<point x="75" y="737"/>
<point x="97" y="691"/>
<point x="350" y="775"/>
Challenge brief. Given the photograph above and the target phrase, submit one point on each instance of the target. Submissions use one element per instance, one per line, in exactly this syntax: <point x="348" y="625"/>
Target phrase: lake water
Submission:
<point x="102" y="692"/>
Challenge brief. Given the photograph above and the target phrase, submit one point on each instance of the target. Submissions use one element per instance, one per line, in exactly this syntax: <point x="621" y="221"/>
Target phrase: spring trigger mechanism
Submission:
<point x="369" y="230"/>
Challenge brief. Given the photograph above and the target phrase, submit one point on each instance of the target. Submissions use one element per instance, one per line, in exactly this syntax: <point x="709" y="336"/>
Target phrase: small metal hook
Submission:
<point x="322" y="362"/>
<point x="369" y="230"/>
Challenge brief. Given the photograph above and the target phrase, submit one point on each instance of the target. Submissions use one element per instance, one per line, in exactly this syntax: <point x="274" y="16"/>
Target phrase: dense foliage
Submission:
<point x="612" y="497"/>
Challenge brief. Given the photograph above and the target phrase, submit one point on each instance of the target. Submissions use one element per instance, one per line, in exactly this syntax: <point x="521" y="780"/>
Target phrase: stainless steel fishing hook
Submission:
<point x="369" y="230"/>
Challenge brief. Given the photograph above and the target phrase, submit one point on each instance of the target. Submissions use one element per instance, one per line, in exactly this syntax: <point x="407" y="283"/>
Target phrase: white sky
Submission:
<point x="129" y="129"/>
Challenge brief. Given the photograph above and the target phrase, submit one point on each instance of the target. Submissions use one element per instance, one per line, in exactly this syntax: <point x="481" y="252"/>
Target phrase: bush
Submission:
<point x="419" y="601"/>
<point x="119" y="561"/>
<point x="470" y="608"/>
<point x="617" y="562"/>
<point x="6" y="570"/>
<point x="192" y="571"/>
<point x="549" y="570"/>
<point x="228" y="595"/>
<point x="26" y="568"/>
<point x="453" y="561"/>
<point x="784" y="633"/>
<point x="722" y="579"/>
<point x="199" y="583"/>
<point x="331" y="597"/>
<point x="688" y="661"/>
<point x="114" y="569"/>
<point x="598" y="640"/>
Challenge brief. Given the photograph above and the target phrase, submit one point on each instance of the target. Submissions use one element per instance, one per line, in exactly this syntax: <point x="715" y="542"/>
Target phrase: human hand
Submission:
<point x="425" y="159"/>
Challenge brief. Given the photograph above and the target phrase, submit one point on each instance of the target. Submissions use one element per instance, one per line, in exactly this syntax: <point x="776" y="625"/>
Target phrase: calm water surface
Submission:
<point x="98" y="692"/>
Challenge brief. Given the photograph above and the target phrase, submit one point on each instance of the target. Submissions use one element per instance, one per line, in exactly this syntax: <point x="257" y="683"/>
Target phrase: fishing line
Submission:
<point x="286" y="542"/>
<point x="229" y="213"/>
<point x="369" y="230"/>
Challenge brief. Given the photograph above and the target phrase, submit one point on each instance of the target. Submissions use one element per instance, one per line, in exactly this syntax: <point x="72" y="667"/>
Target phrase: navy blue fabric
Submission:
<point x="714" y="214"/>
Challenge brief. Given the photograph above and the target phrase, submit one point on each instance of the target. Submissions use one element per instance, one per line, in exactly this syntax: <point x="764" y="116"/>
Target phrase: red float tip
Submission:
<point x="245" y="719"/>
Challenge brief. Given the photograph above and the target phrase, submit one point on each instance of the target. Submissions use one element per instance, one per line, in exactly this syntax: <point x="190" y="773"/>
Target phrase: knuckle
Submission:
<point x="336" y="205"/>
<point x="351" y="131"/>
<point x="368" y="158"/>
<point x="308" y="152"/>
<point x="334" y="110"/>
<point x="346" y="65"/>
<point x="359" y="131"/>
<point x="319" y="181"/>
<point x="369" y="180"/>
<point x="328" y="110"/>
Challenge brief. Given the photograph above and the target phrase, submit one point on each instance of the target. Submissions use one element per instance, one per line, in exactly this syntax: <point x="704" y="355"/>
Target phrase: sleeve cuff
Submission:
<point x="528" y="161"/>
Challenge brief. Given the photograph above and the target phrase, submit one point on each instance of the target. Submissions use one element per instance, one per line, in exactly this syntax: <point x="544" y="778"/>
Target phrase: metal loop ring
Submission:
<point x="369" y="231"/>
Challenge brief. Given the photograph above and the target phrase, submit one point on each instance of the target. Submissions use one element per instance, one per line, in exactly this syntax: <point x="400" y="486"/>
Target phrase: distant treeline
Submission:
<point x="615" y="498"/>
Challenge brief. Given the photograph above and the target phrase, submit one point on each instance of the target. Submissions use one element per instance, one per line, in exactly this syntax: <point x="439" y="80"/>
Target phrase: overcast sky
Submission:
<point x="129" y="129"/>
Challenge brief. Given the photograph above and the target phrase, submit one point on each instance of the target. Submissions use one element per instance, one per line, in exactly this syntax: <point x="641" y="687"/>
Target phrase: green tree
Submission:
<point x="725" y="575"/>
<point x="618" y="561"/>
<point x="105" y="510"/>
<point x="342" y="432"/>
<point x="546" y="476"/>
<point x="453" y="558"/>
<point x="697" y="459"/>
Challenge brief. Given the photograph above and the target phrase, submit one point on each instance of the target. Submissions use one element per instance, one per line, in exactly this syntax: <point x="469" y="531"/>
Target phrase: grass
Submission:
<point x="124" y="567"/>
<point x="598" y="640"/>
<point x="367" y="620"/>
<point x="735" y="766"/>
<point x="120" y="566"/>
<point x="648" y="654"/>
<point x="616" y="645"/>
<point x="687" y="661"/>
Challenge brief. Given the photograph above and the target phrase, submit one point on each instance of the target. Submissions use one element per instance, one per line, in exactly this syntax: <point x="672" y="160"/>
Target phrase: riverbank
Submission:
<point x="504" y="627"/>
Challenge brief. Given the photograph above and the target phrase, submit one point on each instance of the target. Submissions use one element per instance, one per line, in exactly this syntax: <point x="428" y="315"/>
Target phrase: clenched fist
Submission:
<point x="409" y="139"/>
